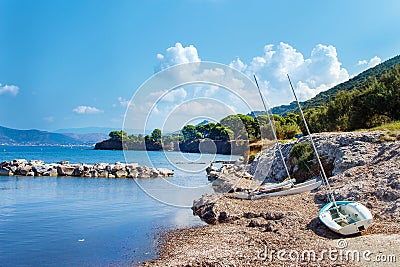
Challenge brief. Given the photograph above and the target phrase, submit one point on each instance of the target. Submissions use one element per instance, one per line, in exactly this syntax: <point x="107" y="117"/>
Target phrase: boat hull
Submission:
<point x="282" y="191"/>
<point x="297" y="189"/>
<point x="351" y="218"/>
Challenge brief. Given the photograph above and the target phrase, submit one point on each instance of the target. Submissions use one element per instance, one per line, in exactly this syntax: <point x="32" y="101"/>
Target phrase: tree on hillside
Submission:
<point x="222" y="133"/>
<point x="252" y="126"/>
<point x="156" y="135"/>
<point x="291" y="118"/>
<point x="118" y="135"/>
<point x="205" y="129"/>
<point x="236" y="124"/>
<point x="277" y="118"/>
<point x="189" y="132"/>
<point x="316" y="119"/>
<point x="140" y="138"/>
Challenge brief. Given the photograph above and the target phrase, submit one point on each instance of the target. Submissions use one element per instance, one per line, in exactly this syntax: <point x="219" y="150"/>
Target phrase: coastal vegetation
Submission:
<point x="233" y="127"/>
<point x="304" y="154"/>
<point x="371" y="104"/>
<point x="329" y="95"/>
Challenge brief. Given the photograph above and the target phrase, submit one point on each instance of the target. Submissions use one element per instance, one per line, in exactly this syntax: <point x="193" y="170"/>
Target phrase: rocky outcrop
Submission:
<point x="112" y="144"/>
<point x="232" y="177"/>
<point x="362" y="166"/>
<point x="109" y="145"/>
<point x="215" y="147"/>
<point x="64" y="168"/>
<point x="215" y="209"/>
<point x="338" y="152"/>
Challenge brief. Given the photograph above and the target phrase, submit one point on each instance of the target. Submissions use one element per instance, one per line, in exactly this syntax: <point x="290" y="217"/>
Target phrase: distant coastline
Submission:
<point x="15" y="137"/>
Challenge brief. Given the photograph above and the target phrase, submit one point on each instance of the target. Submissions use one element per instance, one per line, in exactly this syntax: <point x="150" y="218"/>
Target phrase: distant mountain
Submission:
<point x="99" y="130"/>
<point x="89" y="138"/>
<point x="326" y="96"/>
<point x="33" y="137"/>
<point x="203" y="122"/>
<point x="85" y="130"/>
<point x="10" y="136"/>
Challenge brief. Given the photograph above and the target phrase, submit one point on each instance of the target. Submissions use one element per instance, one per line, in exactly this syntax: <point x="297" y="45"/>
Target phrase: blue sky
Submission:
<point x="67" y="64"/>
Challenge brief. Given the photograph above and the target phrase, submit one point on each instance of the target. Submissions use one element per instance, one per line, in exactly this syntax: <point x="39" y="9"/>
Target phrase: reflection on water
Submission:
<point x="80" y="221"/>
<point x="54" y="221"/>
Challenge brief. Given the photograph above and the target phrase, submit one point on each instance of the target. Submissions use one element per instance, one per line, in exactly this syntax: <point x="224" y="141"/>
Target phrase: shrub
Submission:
<point x="304" y="153"/>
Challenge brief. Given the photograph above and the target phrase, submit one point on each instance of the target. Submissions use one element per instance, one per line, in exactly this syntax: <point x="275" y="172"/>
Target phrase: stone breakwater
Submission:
<point x="118" y="170"/>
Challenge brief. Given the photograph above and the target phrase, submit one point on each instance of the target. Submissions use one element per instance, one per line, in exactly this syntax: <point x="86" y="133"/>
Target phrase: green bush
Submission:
<point x="304" y="153"/>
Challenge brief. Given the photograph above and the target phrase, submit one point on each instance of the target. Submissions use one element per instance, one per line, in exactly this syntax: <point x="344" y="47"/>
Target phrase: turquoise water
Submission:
<point x="56" y="221"/>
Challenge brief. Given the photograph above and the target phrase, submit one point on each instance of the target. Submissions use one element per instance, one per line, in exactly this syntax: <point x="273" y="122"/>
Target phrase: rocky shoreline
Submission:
<point x="22" y="167"/>
<point x="363" y="166"/>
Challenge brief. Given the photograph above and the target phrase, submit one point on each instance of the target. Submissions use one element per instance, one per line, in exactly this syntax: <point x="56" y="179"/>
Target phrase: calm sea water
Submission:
<point x="56" y="221"/>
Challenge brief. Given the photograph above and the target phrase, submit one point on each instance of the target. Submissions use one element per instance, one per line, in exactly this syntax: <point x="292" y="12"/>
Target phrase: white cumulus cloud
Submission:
<point x="9" y="90"/>
<point x="238" y="65"/>
<point x="177" y="54"/>
<point x="177" y="95"/>
<point x="86" y="110"/>
<point x="370" y="63"/>
<point x="374" y="61"/>
<point x="319" y="72"/>
<point x="362" y="62"/>
<point x="123" y="102"/>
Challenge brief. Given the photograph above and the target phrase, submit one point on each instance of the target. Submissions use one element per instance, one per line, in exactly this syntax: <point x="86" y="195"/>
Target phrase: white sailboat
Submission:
<point x="343" y="217"/>
<point x="294" y="189"/>
<point x="346" y="218"/>
<point x="284" y="188"/>
<point x="287" y="187"/>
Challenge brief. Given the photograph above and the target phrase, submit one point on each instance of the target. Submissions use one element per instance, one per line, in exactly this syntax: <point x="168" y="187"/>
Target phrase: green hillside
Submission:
<point x="370" y="104"/>
<point x="326" y="96"/>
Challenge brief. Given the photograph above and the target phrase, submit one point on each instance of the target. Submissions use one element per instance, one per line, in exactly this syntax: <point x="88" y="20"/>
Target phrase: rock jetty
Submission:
<point x="118" y="170"/>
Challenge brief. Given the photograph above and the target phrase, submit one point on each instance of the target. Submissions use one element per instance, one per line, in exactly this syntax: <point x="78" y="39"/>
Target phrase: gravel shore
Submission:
<point x="286" y="231"/>
<point x="286" y="224"/>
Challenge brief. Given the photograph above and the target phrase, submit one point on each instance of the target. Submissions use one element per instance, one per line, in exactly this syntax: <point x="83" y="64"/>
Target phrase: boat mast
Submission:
<point x="272" y="127"/>
<point x="313" y="145"/>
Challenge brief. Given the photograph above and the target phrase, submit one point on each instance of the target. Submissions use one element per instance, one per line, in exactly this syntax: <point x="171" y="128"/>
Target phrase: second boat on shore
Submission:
<point x="342" y="217"/>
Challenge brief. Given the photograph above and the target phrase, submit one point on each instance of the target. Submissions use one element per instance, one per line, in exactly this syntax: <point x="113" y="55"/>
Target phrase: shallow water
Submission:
<point x="56" y="221"/>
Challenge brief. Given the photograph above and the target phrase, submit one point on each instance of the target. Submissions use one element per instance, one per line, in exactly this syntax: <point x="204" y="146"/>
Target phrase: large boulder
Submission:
<point x="52" y="171"/>
<point x="5" y="172"/>
<point x="39" y="169"/>
<point x="23" y="169"/>
<point x="163" y="172"/>
<point x="17" y="162"/>
<point x="65" y="170"/>
<point x="121" y="174"/>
